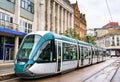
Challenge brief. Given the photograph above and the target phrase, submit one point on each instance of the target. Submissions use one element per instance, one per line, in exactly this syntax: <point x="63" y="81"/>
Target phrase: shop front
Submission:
<point x="8" y="43"/>
<point x="6" y="48"/>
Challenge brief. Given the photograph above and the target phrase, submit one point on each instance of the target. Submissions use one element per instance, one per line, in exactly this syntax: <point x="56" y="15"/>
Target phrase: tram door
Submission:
<point x="82" y="56"/>
<point x="59" y="52"/>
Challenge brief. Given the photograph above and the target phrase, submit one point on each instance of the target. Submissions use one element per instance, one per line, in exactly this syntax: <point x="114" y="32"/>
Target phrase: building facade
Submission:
<point x="109" y="37"/>
<point x="19" y="17"/>
<point x="111" y="43"/>
<point x="16" y="18"/>
<point x="79" y="22"/>
<point x="54" y="15"/>
<point x="99" y="32"/>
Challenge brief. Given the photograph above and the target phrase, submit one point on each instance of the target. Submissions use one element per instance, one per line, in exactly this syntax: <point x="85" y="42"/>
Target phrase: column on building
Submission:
<point x="35" y="20"/>
<point x="58" y="18"/>
<point x="53" y="17"/>
<point x="48" y="14"/>
<point x="62" y="20"/>
<point x="39" y="15"/>
<point x="16" y="45"/>
<point x="42" y="8"/>
<point x="72" y="20"/>
<point x="69" y="20"/>
<point x="65" y="20"/>
<point x="17" y="19"/>
<point x="17" y="13"/>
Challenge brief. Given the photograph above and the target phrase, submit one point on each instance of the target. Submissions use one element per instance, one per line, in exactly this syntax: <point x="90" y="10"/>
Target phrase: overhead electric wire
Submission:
<point x="109" y="11"/>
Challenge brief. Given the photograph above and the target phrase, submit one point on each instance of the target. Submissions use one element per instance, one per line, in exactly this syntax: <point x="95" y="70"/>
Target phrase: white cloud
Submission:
<point x="96" y="11"/>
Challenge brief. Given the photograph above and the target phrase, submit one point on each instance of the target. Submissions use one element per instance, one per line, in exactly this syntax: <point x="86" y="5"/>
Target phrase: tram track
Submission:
<point x="8" y="80"/>
<point x="106" y="74"/>
<point x="112" y="79"/>
<point x="105" y="70"/>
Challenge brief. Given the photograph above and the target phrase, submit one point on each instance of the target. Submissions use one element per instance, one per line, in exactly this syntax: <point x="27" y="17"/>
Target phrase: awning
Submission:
<point x="12" y="32"/>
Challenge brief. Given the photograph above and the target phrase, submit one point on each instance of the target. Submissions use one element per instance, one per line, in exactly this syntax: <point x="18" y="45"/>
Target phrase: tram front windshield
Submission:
<point x="28" y="45"/>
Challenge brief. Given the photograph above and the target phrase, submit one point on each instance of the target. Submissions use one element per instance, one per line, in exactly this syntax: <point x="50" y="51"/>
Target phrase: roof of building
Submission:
<point x="110" y="23"/>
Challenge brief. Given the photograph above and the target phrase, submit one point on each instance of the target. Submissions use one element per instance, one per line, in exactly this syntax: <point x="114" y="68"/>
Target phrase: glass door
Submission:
<point x="9" y="53"/>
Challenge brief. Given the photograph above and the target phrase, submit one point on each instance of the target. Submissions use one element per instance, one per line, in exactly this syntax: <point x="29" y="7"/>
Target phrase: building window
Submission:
<point x="11" y="20"/>
<point x="96" y="34"/>
<point x="22" y="4"/>
<point x="25" y="27"/>
<point x="2" y="16"/>
<point x="6" y="17"/>
<point x="27" y="5"/>
<point x="117" y="41"/>
<point x="113" y="43"/>
<point x="22" y="26"/>
<point x="29" y="28"/>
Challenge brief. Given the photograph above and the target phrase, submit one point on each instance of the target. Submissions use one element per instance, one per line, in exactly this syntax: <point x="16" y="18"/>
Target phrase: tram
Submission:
<point x="44" y="53"/>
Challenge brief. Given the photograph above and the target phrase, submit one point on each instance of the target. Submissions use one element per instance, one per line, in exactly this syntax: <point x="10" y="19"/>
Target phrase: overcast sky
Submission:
<point x="97" y="14"/>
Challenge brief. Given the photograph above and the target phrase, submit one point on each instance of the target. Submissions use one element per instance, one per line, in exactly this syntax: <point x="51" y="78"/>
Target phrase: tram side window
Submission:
<point x="93" y="52"/>
<point x="90" y="51"/>
<point x="73" y="51"/>
<point x="69" y="52"/>
<point x="85" y="52"/>
<point x="96" y="52"/>
<point x="45" y="52"/>
<point x="81" y="52"/>
<point x="100" y="52"/>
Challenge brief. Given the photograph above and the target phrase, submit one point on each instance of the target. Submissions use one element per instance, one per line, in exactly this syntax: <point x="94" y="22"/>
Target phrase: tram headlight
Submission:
<point x="27" y="67"/>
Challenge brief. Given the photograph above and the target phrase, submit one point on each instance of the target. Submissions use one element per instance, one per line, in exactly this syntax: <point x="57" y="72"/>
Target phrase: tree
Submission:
<point x="71" y="33"/>
<point x="90" y="39"/>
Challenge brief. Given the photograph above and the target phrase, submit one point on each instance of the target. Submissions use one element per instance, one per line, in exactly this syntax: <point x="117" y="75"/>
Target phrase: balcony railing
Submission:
<point x="8" y="25"/>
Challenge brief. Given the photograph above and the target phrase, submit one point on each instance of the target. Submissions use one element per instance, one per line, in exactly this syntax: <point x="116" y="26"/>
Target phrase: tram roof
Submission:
<point x="84" y="43"/>
<point x="51" y="35"/>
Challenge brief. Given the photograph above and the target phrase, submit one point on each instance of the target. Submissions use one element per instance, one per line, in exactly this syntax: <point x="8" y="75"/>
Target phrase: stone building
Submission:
<point x="54" y="15"/>
<point x="109" y="37"/>
<point x="16" y="20"/>
<point x="79" y="21"/>
<point x="19" y="17"/>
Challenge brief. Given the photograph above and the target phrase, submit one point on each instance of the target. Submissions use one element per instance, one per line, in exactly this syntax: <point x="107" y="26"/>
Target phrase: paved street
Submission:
<point x="78" y="75"/>
<point x="47" y="37"/>
<point x="6" y="68"/>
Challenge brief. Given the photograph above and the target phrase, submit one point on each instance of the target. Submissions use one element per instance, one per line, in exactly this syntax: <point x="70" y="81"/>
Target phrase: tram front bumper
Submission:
<point x="29" y="75"/>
